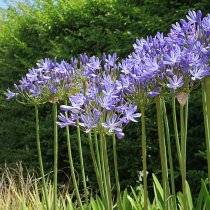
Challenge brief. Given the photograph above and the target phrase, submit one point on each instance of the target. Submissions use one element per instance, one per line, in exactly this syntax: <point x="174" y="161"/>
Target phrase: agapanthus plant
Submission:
<point x="101" y="96"/>
<point x="143" y="73"/>
<point x="192" y="35"/>
<point x="100" y="109"/>
<point x="161" y="67"/>
<point x="49" y="81"/>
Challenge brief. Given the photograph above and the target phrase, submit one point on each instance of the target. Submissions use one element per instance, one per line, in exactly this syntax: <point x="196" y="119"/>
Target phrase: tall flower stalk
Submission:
<point x="40" y="156"/>
<point x="82" y="163"/>
<point x="182" y="97"/>
<point x="144" y="155"/>
<point x="176" y="132"/>
<point x="68" y="138"/>
<point x="107" y="173"/>
<point x="97" y="149"/>
<point x="206" y="113"/>
<point x="161" y="137"/>
<point x="183" y="160"/>
<point x="116" y="172"/>
<point x="168" y="140"/>
<point x="55" y="171"/>
<point x="103" y="171"/>
<point x="99" y="165"/>
<point x="97" y="171"/>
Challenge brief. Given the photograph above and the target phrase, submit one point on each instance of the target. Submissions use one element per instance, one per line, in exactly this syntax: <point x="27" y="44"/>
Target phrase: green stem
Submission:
<point x="183" y="160"/>
<point x="161" y="136"/>
<point x="186" y="123"/>
<point x="71" y="164"/>
<point x="103" y="168"/>
<point x="99" y="180"/>
<point x="55" y="154"/>
<point x="206" y="112"/>
<point x="99" y="161"/>
<point x="176" y="131"/>
<point x="144" y="155"/>
<point x="107" y="174"/>
<point x="116" y="172"/>
<point x="170" y="155"/>
<point x="40" y="156"/>
<point x="82" y="163"/>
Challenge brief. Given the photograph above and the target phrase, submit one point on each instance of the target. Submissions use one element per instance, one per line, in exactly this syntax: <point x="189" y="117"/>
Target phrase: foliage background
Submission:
<point x="32" y="30"/>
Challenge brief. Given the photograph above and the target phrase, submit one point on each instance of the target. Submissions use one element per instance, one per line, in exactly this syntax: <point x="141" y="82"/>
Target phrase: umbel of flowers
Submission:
<point x="164" y="67"/>
<point x="49" y="81"/>
<point x="101" y="96"/>
<point x="101" y="109"/>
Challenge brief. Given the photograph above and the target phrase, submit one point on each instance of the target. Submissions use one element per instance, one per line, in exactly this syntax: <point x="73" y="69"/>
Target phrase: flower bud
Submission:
<point x="85" y="85"/>
<point x="182" y="98"/>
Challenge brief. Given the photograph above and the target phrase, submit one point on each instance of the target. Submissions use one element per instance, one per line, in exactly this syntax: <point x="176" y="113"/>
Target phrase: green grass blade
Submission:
<point x="126" y="203"/>
<point x="189" y="196"/>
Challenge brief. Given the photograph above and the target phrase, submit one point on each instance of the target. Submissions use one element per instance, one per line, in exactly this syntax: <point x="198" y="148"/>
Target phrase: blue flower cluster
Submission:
<point x="48" y="81"/>
<point x="171" y="64"/>
<point x="104" y="93"/>
<point x="101" y="105"/>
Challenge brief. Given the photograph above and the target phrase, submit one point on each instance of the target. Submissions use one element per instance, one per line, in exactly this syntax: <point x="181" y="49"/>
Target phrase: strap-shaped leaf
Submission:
<point x="189" y="196"/>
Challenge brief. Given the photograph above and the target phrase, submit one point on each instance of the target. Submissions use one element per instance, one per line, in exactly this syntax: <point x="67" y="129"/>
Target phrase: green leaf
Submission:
<point x="180" y="200"/>
<point x="189" y="196"/>
<point x="200" y="199"/>
<point x="133" y="203"/>
<point x="126" y="203"/>
<point x="158" y="190"/>
<point x="93" y="204"/>
<point x="134" y="194"/>
<point x="158" y="185"/>
<point x="100" y="203"/>
<point x="206" y="194"/>
<point x="70" y="202"/>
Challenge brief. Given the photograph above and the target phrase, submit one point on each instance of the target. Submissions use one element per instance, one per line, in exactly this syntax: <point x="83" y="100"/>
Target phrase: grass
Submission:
<point x="21" y="190"/>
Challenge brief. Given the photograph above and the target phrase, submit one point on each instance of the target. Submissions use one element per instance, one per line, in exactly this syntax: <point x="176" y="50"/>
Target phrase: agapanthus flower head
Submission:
<point x="49" y="81"/>
<point x="146" y="68"/>
<point x="192" y="35"/>
<point x="103" y="99"/>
